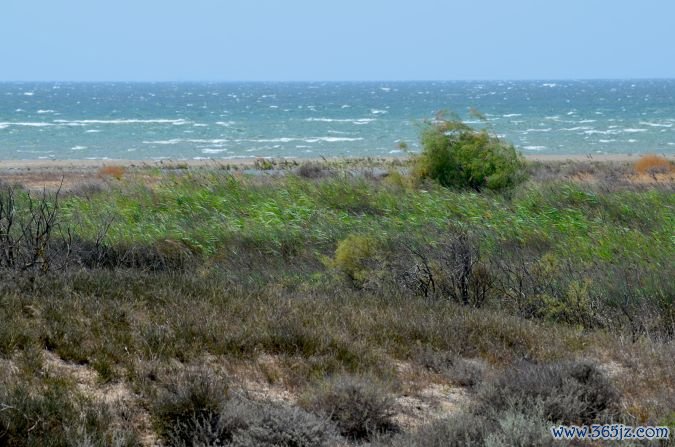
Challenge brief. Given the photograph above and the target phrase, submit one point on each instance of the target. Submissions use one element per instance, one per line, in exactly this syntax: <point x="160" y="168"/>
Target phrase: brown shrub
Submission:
<point x="112" y="171"/>
<point x="652" y="164"/>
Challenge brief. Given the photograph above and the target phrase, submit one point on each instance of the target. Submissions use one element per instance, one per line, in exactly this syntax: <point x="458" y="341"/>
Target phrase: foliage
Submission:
<point x="352" y="255"/>
<point x="456" y="155"/>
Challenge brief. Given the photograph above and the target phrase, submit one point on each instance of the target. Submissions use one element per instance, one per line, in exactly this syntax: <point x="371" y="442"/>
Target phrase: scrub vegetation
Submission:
<point x="329" y="304"/>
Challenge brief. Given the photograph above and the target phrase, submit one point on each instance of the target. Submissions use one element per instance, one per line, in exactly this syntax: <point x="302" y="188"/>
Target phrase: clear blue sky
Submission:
<point x="282" y="40"/>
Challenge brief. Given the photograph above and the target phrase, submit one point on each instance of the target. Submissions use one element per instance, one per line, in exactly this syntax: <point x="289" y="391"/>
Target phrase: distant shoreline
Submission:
<point x="84" y="164"/>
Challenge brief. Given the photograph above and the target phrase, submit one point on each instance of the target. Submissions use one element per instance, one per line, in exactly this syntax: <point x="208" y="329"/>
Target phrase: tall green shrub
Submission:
<point x="457" y="155"/>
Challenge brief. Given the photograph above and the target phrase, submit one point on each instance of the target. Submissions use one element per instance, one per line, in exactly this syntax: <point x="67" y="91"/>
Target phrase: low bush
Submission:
<point x="311" y="170"/>
<point x="456" y="155"/>
<point x="460" y="371"/>
<point x="569" y="393"/>
<point x="55" y="415"/>
<point x="463" y="430"/>
<point x="189" y="403"/>
<point x="244" y="423"/>
<point x="359" y="407"/>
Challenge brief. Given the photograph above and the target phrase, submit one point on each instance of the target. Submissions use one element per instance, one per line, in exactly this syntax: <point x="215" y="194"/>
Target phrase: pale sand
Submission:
<point x="86" y="165"/>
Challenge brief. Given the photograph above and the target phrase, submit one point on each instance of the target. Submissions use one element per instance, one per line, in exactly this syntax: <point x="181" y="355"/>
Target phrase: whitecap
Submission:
<point x="92" y="131"/>
<point x="185" y="140"/>
<point x="28" y="93"/>
<point x="587" y="121"/>
<point x="176" y="122"/>
<point x="552" y="84"/>
<point x="44" y="111"/>
<point x="572" y="129"/>
<point x="378" y="111"/>
<point x="646" y="123"/>
<point x="305" y="140"/>
<point x="21" y="124"/>
<point x="385" y="89"/>
<point x="630" y="130"/>
<point x="78" y="148"/>
<point x="225" y="123"/>
<point x="213" y="151"/>
<point x="200" y="125"/>
<point x="534" y="148"/>
<point x="548" y="129"/>
<point x="511" y="115"/>
<point x="357" y="121"/>
<point x="601" y="132"/>
<point x="606" y="141"/>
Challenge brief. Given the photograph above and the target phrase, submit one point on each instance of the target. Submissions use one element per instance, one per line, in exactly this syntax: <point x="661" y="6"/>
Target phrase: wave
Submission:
<point x="630" y="130"/>
<point x="213" y="151"/>
<point x="602" y="132"/>
<point x="534" y="148"/>
<point x="21" y="124"/>
<point x="646" y="123"/>
<point x="511" y="115"/>
<point x="357" y="121"/>
<point x="176" y="122"/>
<point x="305" y="140"/>
<point x="572" y="129"/>
<point x="44" y="111"/>
<point x="185" y="140"/>
<point x="78" y="148"/>
<point x="378" y="111"/>
<point x="548" y="129"/>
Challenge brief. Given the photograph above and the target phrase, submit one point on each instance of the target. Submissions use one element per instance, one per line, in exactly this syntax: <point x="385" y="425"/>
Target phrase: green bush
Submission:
<point x="352" y="255"/>
<point x="456" y="155"/>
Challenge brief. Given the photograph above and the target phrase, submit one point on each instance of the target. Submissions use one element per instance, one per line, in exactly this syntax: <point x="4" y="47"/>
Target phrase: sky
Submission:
<point x="340" y="40"/>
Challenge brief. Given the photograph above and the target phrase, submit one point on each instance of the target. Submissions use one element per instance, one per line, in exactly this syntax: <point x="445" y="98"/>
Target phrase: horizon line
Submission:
<point x="240" y="81"/>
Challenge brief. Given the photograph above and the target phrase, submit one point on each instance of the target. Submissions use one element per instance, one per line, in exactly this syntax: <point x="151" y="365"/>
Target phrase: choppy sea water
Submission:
<point x="234" y="120"/>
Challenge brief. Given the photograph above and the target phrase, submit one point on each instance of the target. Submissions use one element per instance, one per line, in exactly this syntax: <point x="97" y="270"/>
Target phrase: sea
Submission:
<point x="155" y="121"/>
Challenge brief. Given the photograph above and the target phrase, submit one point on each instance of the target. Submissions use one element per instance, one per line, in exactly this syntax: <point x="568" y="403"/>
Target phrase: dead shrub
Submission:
<point x="114" y="171"/>
<point x="651" y="164"/>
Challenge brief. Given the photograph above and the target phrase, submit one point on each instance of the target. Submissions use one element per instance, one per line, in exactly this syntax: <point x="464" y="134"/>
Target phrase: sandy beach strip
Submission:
<point x="88" y="165"/>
